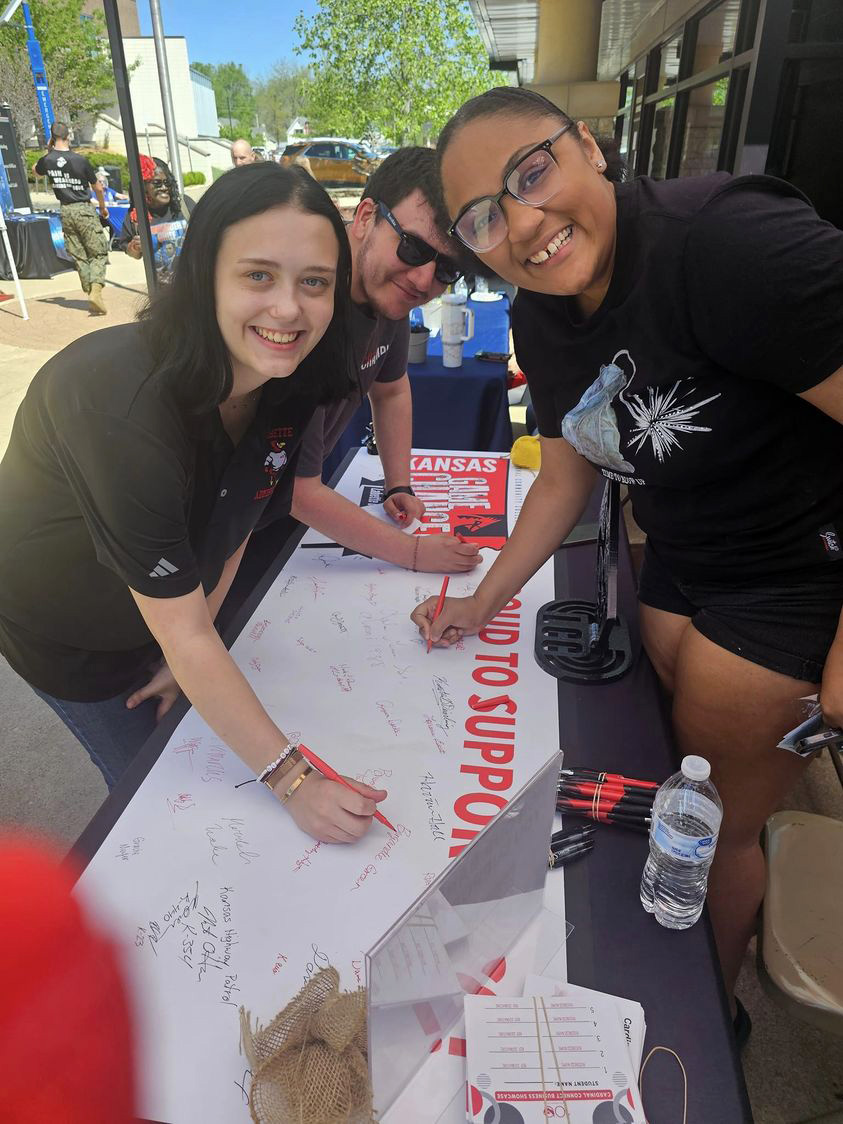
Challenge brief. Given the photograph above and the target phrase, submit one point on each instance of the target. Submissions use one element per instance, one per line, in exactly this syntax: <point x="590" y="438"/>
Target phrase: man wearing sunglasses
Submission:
<point x="400" y="259"/>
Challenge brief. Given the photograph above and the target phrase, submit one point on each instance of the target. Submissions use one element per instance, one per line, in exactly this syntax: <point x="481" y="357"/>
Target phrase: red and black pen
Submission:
<point x="617" y="796"/>
<point x="564" y="855"/>
<point x="608" y="778"/>
<point x="584" y="809"/>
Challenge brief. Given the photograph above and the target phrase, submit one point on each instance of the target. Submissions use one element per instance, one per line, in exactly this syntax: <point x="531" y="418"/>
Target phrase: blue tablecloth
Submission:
<point x="453" y="408"/>
<point x="491" y="329"/>
<point x="117" y="212"/>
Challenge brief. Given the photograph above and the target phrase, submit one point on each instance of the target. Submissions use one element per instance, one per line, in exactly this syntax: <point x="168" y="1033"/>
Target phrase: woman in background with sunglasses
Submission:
<point x="684" y="337"/>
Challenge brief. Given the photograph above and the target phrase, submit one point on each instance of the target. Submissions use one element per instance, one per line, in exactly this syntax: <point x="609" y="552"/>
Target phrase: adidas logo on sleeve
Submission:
<point x="163" y="569"/>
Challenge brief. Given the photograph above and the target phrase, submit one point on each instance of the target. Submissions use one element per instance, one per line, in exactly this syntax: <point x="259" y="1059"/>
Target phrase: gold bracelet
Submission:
<point x="283" y="768"/>
<point x="303" y="775"/>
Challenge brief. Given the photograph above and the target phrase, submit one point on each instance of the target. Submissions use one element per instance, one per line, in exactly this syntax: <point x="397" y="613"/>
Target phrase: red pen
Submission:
<point x="438" y="609"/>
<point x="333" y="775"/>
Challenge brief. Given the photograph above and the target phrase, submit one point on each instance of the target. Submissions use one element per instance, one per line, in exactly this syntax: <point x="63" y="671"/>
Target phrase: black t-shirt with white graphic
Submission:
<point x="71" y="175"/>
<point x="380" y="349"/>
<point x="726" y="301"/>
<point x="108" y="485"/>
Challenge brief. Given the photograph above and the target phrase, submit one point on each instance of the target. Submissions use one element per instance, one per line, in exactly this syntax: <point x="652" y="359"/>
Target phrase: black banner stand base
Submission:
<point x="571" y="645"/>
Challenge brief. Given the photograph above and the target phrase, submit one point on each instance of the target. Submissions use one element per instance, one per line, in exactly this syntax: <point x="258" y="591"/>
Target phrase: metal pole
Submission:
<point x="166" y="93"/>
<point x="11" y="257"/>
<point x="124" y="101"/>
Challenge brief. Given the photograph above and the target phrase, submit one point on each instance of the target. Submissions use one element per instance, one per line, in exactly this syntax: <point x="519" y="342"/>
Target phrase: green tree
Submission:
<point x="280" y="97"/>
<point x="401" y="68"/>
<point x="76" y="58"/>
<point x="234" y="93"/>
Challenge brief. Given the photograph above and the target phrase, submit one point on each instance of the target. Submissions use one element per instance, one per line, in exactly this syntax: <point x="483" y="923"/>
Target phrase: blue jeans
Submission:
<point x="110" y="733"/>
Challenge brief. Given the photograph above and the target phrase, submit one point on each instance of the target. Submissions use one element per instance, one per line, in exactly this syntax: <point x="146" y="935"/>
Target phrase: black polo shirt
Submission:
<point x="108" y="484"/>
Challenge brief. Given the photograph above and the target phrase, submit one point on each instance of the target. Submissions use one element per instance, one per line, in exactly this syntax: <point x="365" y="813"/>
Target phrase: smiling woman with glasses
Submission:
<point x="685" y="338"/>
<point x="167" y="220"/>
<point x="533" y="179"/>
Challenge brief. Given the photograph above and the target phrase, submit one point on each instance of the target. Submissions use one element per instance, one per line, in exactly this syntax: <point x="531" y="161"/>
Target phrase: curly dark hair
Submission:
<point x="172" y="184"/>
<point x="174" y="206"/>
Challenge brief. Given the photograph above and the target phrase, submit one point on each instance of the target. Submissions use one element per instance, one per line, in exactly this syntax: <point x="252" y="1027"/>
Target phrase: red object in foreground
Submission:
<point x="65" y="1036"/>
<point x="333" y="775"/>
<point x="439" y="605"/>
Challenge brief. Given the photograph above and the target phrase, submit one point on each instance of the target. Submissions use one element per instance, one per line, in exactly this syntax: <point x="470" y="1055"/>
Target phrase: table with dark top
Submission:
<point x="33" y="248"/>
<point x="615" y="946"/>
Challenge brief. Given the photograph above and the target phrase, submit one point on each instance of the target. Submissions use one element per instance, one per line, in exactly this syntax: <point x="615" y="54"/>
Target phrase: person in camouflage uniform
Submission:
<point x="71" y="178"/>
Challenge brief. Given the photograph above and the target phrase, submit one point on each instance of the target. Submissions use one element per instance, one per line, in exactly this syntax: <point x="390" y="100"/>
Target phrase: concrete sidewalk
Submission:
<point x="48" y="782"/>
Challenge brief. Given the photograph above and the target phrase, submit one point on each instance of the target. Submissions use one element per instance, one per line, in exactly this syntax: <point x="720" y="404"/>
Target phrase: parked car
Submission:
<point x="333" y="161"/>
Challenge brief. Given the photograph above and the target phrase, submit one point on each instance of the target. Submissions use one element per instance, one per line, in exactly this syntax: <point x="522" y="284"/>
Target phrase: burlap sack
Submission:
<point x="309" y="1065"/>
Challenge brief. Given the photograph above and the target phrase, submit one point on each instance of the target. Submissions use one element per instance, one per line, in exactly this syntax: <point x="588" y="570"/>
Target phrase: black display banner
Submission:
<point x="13" y="161"/>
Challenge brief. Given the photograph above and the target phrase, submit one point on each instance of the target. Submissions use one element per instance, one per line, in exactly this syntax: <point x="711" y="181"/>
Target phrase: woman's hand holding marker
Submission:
<point x="334" y="813"/>
<point x="440" y="554"/>
<point x="459" y="616"/>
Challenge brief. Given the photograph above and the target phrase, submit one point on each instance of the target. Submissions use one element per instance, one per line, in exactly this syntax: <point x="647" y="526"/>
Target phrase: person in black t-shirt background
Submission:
<point x="686" y="338"/>
<point x="142" y="458"/>
<point x="72" y="176"/>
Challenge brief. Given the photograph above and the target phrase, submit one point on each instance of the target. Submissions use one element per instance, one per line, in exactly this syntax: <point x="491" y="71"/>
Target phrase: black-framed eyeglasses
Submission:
<point x="481" y="224"/>
<point x="158" y="182"/>
<point x="414" y="251"/>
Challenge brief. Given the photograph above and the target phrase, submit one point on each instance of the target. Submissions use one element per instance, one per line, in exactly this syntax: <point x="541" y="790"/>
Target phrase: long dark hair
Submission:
<point x="526" y="103"/>
<point x="181" y="319"/>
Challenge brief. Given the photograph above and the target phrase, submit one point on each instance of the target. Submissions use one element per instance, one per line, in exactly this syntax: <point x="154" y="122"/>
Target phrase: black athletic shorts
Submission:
<point x="787" y="626"/>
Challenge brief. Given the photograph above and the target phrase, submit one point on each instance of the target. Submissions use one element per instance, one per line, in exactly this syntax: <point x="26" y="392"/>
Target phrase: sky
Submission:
<point x="255" y="33"/>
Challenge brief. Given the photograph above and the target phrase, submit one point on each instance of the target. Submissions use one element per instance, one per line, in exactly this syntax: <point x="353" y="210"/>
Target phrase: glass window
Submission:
<point x="716" y="34"/>
<point x="633" y="141"/>
<point x="669" y="62"/>
<point x="662" y="124"/>
<point x="802" y="131"/>
<point x="640" y="80"/>
<point x="704" y="128"/>
<point x="624" y="139"/>
<point x="626" y="90"/>
<point x="816" y="21"/>
<point x="319" y="150"/>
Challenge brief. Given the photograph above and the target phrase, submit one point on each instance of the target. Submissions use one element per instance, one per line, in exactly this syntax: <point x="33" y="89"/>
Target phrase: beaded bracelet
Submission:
<point x="266" y="774"/>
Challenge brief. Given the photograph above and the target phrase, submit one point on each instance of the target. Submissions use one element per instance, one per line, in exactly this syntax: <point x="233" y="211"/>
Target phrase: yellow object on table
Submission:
<point x="526" y="453"/>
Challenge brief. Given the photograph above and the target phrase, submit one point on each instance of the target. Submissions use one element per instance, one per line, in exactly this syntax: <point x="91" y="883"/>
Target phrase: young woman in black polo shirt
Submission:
<point x="142" y="458"/>
<point x="686" y="338"/>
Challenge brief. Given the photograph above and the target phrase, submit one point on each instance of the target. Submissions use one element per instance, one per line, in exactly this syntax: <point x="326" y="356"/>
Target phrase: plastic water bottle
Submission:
<point x="683" y="835"/>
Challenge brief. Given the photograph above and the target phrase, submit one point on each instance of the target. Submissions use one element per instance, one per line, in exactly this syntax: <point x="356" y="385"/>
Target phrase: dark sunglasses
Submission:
<point x="414" y="251"/>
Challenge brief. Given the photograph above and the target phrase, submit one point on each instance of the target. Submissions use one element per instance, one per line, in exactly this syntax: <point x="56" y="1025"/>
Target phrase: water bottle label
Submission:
<point x="696" y="848"/>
